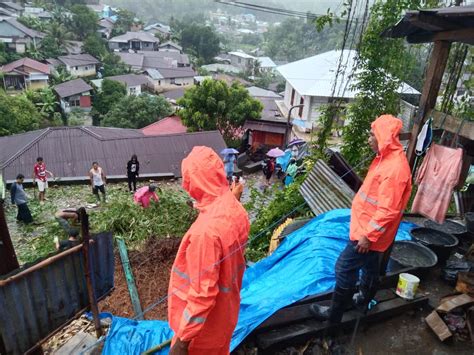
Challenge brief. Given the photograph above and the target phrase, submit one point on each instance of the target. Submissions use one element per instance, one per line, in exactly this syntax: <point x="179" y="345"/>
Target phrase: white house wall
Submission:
<point x="81" y="70"/>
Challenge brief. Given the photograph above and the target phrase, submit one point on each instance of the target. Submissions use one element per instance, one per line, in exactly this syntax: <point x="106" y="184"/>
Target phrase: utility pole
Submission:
<point x="287" y="128"/>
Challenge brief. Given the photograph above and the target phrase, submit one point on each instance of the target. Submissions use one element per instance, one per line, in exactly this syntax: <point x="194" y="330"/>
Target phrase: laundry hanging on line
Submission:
<point x="436" y="178"/>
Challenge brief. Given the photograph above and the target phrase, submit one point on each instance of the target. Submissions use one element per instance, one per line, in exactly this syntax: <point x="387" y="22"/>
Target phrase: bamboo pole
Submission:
<point x="157" y="348"/>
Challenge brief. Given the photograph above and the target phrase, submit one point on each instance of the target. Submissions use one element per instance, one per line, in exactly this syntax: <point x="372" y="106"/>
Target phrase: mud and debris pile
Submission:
<point x="151" y="268"/>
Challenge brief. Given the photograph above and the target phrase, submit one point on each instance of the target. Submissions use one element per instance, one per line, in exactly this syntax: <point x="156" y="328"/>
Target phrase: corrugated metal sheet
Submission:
<point x="324" y="191"/>
<point x="36" y="304"/>
<point x="69" y="152"/>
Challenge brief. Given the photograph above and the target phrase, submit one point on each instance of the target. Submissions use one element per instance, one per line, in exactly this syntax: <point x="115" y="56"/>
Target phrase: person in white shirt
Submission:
<point x="98" y="180"/>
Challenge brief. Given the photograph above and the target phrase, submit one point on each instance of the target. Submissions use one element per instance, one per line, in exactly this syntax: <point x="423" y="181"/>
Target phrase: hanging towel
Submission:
<point x="436" y="179"/>
<point x="424" y="138"/>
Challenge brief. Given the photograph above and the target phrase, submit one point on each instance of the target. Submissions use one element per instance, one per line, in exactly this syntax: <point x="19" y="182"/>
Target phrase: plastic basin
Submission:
<point x="440" y="242"/>
<point x="406" y="254"/>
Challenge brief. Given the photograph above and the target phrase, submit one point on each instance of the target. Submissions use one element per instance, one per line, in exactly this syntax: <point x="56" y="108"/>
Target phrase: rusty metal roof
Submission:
<point x="72" y="87"/>
<point x="266" y="126"/>
<point x="34" y="304"/>
<point x="69" y="151"/>
<point x="323" y="190"/>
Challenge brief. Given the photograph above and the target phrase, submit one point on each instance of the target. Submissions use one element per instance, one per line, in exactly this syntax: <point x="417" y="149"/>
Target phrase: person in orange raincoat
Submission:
<point x="377" y="210"/>
<point x="206" y="276"/>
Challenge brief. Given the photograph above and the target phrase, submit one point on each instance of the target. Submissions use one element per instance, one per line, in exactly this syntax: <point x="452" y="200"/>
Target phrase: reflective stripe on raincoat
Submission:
<point x="206" y="277"/>
<point x="377" y="208"/>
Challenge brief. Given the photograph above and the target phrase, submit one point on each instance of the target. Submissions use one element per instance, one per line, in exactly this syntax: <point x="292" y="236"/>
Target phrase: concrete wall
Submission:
<point x="38" y="84"/>
<point x="239" y="62"/>
<point x="163" y="84"/>
<point x="82" y="70"/>
<point x="134" y="90"/>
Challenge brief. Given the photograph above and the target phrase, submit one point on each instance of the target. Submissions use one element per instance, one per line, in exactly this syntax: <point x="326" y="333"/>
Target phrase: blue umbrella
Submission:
<point x="227" y="151"/>
<point x="296" y="141"/>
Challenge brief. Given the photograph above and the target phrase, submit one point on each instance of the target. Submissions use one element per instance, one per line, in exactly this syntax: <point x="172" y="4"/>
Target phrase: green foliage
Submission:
<point x="284" y="204"/>
<point x="125" y="20"/>
<point x="83" y="21"/>
<point x="49" y="48"/>
<point x="17" y="115"/>
<point x="381" y="67"/>
<point x="56" y="42"/>
<point x="111" y="92"/>
<point x="215" y="105"/>
<point x="112" y="65"/>
<point x="137" y="111"/>
<point x="326" y="120"/>
<point x="32" y="22"/>
<point x="60" y="75"/>
<point x="170" y="217"/>
<point x="47" y="105"/>
<point x="199" y="40"/>
<point x="95" y="46"/>
<point x="294" y="39"/>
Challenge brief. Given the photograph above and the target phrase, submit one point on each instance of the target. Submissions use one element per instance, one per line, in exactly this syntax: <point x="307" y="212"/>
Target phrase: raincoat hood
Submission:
<point x="386" y="129"/>
<point x="203" y="175"/>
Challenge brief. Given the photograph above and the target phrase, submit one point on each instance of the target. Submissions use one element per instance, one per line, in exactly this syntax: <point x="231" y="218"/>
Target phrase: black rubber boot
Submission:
<point x="362" y="298"/>
<point x="340" y="299"/>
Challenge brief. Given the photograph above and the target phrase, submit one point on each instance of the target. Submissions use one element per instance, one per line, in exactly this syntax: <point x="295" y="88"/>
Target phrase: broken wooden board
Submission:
<point x="301" y="312"/>
<point x="438" y="326"/>
<point x="77" y="344"/>
<point x="301" y="332"/>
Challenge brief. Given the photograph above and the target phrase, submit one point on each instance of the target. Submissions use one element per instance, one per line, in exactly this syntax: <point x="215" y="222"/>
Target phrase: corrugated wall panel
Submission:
<point x="324" y="190"/>
<point x="33" y="306"/>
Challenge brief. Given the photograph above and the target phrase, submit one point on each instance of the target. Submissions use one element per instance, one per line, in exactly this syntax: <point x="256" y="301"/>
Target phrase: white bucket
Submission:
<point x="407" y="285"/>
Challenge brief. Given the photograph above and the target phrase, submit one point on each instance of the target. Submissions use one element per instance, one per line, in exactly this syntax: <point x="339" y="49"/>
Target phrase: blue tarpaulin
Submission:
<point x="302" y="265"/>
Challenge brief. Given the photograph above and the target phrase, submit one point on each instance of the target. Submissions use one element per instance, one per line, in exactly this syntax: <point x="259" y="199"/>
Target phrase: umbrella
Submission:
<point x="296" y="141"/>
<point x="227" y="151"/>
<point x="275" y="153"/>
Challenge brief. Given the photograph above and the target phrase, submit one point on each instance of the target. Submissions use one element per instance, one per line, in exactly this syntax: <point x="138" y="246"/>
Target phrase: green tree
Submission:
<point x="214" y="105"/>
<point x="382" y="64"/>
<point x="125" y="20"/>
<point x="33" y="22"/>
<point x="56" y="41"/>
<point x="112" y="65"/>
<point x="137" y="111"/>
<point x="111" y="92"/>
<point x="46" y="104"/>
<point x="83" y="21"/>
<point x="17" y="115"/>
<point x="95" y="46"/>
<point x="200" y="40"/>
<point x="60" y="75"/>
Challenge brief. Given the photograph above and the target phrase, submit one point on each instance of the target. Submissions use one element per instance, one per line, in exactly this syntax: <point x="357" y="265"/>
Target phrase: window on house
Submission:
<point x="74" y="103"/>
<point x="159" y="82"/>
<point x="292" y="97"/>
<point x="76" y="68"/>
<point x="87" y="68"/>
<point x="240" y="60"/>
<point x="300" y="111"/>
<point x="173" y="80"/>
<point x="133" y="91"/>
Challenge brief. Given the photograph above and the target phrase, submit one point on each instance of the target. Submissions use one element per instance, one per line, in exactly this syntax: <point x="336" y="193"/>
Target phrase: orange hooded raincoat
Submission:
<point x="206" y="277"/>
<point x="378" y="206"/>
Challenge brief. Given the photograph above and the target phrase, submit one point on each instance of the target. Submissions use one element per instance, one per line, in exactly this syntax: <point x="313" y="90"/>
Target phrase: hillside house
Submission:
<point x="310" y="82"/>
<point x="170" y="46"/>
<point x="241" y="60"/>
<point x="163" y="31"/>
<point x="16" y="36"/>
<point x="169" y="78"/>
<point x="167" y="125"/>
<point x="134" y="41"/>
<point x="134" y="83"/>
<point x="105" y="27"/>
<point x="12" y="8"/>
<point x="74" y="94"/>
<point x="25" y="74"/>
<point x="80" y="65"/>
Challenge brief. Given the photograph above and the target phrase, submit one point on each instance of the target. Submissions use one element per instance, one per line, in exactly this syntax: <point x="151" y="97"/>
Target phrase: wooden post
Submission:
<point x="9" y="262"/>
<point x="87" y="267"/>
<point x="434" y="75"/>
<point x="127" y="269"/>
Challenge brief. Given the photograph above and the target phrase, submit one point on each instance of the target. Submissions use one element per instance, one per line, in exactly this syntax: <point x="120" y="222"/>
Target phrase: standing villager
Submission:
<point x="206" y="277"/>
<point x="144" y="195"/>
<point x="376" y="213"/>
<point x="237" y="187"/>
<point x="268" y="169"/>
<point x="290" y="172"/>
<point x="133" y="168"/>
<point x="98" y="180"/>
<point x="19" y="198"/>
<point x="40" y="178"/>
<point x="229" y="161"/>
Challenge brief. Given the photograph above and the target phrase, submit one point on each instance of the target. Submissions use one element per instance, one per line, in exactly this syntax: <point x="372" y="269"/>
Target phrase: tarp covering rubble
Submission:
<point x="302" y="265"/>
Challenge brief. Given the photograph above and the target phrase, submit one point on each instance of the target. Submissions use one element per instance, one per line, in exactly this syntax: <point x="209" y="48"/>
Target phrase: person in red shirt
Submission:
<point x="40" y="178"/>
<point x="144" y="195"/>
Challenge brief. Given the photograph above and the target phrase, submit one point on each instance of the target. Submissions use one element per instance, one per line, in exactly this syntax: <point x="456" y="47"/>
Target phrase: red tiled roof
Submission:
<point x="27" y="62"/>
<point x="168" y="125"/>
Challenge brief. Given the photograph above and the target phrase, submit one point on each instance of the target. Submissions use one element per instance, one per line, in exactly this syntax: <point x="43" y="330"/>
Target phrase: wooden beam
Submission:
<point x="302" y="332"/>
<point x="452" y="124"/>
<point x="431" y="22"/>
<point x="465" y="35"/>
<point x="434" y="75"/>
